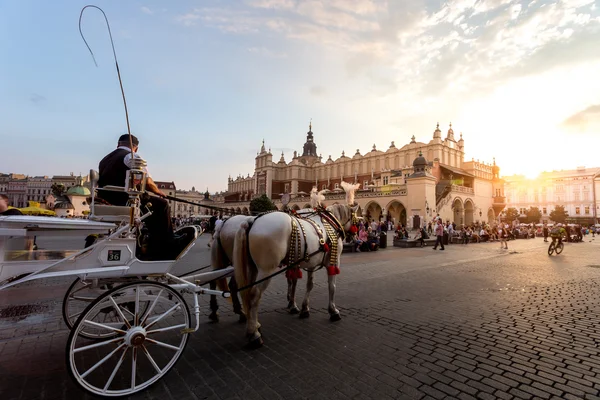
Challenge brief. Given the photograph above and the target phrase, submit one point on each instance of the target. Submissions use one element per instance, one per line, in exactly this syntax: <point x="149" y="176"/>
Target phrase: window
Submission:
<point x="365" y="184"/>
<point x="337" y="185"/>
<point x="576" y="194"/>
<point x="385" y="180"/>
<point x="287" y="188"/>
<point x="587" y="210"/>
<point x="544" y="211"/>
<point x="324" y="187"/>
<point x="577" y="210"/>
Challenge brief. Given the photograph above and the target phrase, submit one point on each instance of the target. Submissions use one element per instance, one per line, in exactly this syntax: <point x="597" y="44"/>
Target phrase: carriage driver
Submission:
<point x="112" y="171"/>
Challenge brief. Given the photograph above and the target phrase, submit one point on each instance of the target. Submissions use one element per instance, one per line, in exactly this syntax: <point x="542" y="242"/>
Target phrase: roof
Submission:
<point x="78" y="191"/>
<point x="455" y="170"/>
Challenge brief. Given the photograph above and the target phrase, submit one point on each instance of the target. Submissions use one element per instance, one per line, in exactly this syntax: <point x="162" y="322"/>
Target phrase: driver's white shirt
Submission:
<point x="127" y="160"/>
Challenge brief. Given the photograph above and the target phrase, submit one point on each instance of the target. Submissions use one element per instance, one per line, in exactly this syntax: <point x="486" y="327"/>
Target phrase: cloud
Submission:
<point x="37" y="99"/>
<point x="318" y="91"/>
<point x="146" y="10"/>
<point x="267" y="52"/>
<point x="459" y="47"/>
<point x="586" y="121"/>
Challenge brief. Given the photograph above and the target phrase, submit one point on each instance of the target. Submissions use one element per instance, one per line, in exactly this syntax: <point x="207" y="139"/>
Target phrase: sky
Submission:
<point x="207" y="80"/>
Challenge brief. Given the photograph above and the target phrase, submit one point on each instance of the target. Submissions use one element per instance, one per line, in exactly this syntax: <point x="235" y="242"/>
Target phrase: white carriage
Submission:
<point x="129" y="322"/>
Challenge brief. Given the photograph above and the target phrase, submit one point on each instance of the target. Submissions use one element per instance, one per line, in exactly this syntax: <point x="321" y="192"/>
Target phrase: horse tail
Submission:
<point x="218" y="260"/>
<point x="242" y="263"/>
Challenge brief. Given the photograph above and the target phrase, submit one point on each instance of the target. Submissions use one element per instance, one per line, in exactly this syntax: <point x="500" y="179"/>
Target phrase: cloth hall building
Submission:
<point x="410" y="184"/>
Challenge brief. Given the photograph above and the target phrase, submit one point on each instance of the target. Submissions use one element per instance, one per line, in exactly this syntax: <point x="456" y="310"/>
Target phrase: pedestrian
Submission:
<point x="439" y="233"/>
<point x="503" y="234"/>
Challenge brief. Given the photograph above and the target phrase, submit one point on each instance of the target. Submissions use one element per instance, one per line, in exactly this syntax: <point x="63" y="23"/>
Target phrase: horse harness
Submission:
<point x="328" y="242"/>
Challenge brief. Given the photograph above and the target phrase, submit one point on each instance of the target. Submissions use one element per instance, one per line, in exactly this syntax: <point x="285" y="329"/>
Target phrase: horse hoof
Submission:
<point x="214" y="317"/>
<point x="335" y="317"/>
<point x="290" y="305"/>
<point x="294" y="310"/>
<point x="254" y="344"/>
<point x="304" y="314"/>
<point x="242" y="318"/>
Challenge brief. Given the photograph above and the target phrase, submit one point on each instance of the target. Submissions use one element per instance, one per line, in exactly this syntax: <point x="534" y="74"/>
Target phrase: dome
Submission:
<point x="420" y="161"/>
<point x="78" y="190"/>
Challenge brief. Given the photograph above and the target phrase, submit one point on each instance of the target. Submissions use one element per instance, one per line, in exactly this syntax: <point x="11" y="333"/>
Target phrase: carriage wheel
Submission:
<point x="80" y="295"/>
<point x="559" y="248"/>
<point x="142" y="347"/>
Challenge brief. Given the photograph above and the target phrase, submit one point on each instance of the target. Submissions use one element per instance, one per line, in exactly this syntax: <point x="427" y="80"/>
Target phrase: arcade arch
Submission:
<point x="491" y="216"/>
<point x="396" y="212"/>
<point x="457" y="206"/>
<point x="469" y="212"/>
<point x="373" y="211"/>
<point x="245" y="211"/>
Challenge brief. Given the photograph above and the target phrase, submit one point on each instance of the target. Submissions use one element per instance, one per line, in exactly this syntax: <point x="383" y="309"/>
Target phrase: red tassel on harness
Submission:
<point x="326" y="247"/>
<point x="333" y="270"/>
<point x="293" y="273"/>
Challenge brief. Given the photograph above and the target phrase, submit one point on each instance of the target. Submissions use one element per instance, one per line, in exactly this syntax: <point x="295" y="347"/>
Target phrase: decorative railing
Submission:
<point x="499" y="200"/>
<point x="462" y="189"/>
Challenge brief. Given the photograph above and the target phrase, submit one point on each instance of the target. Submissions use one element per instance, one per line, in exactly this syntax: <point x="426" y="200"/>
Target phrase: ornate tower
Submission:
<point x="310" y="148"/>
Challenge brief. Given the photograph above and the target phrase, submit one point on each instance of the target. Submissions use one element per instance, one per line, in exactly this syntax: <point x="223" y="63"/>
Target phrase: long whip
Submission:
<point x="116" y="64"/>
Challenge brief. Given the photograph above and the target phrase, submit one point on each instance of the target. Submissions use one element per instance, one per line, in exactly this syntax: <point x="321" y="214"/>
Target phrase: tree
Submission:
<point x="511" y="214"/>
<point x="559" y="214"/>
<point x="534" y="215"/>
<point x="261" y="204"/>
<point x="58" y="189"/>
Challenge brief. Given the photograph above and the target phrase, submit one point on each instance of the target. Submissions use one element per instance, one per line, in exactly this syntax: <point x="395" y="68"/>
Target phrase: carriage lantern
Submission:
<point x="135" y="178"/>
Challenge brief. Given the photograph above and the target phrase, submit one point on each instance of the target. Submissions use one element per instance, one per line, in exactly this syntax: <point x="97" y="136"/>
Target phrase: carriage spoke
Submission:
<point x="99" y="363"/>
<point x="156" y="367"/>
<point x="168" y="346"/>
<point x="151" y="308"/>
<point x="84" y="298"/>
<point x="168" y="328"/>
<point x="85" y="321"/>
<point x="115" y="305"/>
<point x="85" y="286"/>
<point x="112" y="376"/>
<point x="133" y="364"/>
<point x="76" y="314"/>
<point x="136" y="317"/>
<point x="169" y="311"/>
<point x="93" y="346"/>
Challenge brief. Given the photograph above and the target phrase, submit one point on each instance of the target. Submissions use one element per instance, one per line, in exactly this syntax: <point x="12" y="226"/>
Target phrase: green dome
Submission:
<point x="78" y="191"/>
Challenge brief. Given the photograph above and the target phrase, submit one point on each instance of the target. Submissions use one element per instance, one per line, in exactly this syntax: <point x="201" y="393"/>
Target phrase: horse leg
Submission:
<point x="334" y="313"/>
<point x="292" y="307"/>
<point x="305" y="313"/>
<point x="237" y="306"/>
<point x="214" y="306"/>
<point x="253" y="326"/>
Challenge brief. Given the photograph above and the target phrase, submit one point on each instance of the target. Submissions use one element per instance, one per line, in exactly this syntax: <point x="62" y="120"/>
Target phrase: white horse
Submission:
<point x="272" y="241"/>
<point x="221" y="254"/>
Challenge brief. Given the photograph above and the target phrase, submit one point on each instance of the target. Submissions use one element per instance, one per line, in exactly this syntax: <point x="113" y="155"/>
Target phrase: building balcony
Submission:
<point x="499" y="200"/>
<point x="462" y="189"/>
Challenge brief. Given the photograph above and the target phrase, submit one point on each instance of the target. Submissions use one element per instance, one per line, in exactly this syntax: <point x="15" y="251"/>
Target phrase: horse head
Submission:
<point x="345" y="214"/>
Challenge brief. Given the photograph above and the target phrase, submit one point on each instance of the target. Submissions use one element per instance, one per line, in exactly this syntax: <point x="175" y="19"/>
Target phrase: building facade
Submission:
<point x="38" y="187"/>
<point x="577" y="190"/>
<point x="169" y="189"/>
<point x="410" y="184"/>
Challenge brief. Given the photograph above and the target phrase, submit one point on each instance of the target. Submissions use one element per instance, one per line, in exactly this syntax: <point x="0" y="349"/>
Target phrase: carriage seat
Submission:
<point x="103" y="212"/>
<point x="106" y="213"/>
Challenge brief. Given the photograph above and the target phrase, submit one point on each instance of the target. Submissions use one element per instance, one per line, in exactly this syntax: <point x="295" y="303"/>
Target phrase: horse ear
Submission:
<point x="354" y="207"/>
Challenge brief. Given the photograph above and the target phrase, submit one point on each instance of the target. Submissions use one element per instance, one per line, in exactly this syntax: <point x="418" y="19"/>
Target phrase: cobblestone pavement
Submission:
<point x="469" y="322"/>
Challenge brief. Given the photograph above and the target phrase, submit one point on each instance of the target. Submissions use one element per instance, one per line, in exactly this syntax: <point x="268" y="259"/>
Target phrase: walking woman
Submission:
<point x="503" y="234"/>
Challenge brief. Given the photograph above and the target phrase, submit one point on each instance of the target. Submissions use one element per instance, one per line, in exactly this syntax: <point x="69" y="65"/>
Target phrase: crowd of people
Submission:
<point x="365" y="235"/>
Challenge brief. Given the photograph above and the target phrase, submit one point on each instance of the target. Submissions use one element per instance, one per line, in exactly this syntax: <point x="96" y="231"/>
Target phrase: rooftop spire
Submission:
<point x="310" y="125"/>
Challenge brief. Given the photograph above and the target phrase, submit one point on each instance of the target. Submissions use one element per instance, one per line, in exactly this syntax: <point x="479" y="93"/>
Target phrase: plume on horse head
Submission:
<point x="350" y="189"/>
<point x="316" y="197"/>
